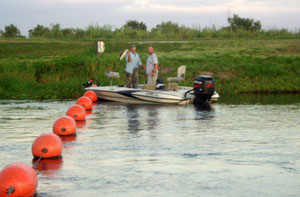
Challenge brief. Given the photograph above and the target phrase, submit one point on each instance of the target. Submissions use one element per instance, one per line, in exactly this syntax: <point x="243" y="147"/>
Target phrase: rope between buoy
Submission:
<point x="44" y="150"/>
<point x="8" y="194"/>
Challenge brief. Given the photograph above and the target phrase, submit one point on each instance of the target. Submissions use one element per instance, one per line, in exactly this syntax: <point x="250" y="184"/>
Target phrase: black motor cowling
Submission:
<point x="204" y="88"/>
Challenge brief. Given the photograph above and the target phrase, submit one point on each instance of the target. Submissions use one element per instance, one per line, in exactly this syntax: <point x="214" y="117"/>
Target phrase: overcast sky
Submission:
<point x="80" y="13"/>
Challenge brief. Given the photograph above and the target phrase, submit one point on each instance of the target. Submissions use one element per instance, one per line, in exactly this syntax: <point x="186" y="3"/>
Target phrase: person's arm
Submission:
<point x="155" y="61"/>
<point x="129" y="56"/>
<point x="155" y="69"/>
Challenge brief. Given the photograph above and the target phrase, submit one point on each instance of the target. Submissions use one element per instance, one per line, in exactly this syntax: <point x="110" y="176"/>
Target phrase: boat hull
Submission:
<point x="142" y="96"/>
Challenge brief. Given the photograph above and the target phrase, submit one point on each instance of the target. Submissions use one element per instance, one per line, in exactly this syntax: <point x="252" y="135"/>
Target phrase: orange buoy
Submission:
<point x="47" y="146"/>
<point x="18" y="179"/>
<point x="85" y="102"/>
<point x="64" y="126"/>
<point x="77" y="112"/>
<point x="92" y="95"/>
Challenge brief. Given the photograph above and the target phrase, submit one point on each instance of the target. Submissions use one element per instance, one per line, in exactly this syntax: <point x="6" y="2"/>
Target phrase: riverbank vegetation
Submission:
<point x="56" y="69"/>
<point x="54" y="62"/>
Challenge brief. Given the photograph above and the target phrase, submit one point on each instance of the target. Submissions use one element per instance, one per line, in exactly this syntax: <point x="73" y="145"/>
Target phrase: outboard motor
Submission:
<point x="204" y="88"/>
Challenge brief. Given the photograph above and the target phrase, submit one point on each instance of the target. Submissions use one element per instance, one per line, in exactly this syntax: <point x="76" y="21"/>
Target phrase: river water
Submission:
<point x="242" y="146"/>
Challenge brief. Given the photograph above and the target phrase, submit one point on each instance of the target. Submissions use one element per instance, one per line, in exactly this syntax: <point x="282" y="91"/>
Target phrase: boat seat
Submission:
<point x="180" y="75"/>
<point x="112" y="75"/>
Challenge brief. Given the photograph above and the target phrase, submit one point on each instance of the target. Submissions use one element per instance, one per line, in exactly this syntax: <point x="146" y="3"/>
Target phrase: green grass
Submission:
<point x="53" y="69"/>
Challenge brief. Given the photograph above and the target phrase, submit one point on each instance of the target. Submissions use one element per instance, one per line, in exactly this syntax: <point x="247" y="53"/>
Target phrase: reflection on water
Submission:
<point x="68" y="138"/>
<point x="136" y="124"/>
<point x="242" y="146"/>
<point x="48" y="167"/>
<point x="80" y="123"/>
<point x="132" y="117"/>
<point x="152" y="120"/>
<point x="204" y="113"/>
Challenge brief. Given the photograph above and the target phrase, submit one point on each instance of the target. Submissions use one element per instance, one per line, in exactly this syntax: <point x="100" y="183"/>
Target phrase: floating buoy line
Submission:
<point x="19" y="179"/>
<point x="77" y="112"/>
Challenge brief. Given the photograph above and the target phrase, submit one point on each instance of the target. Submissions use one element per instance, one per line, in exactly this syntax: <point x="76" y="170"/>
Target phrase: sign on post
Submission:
<point x="100" y="47"/>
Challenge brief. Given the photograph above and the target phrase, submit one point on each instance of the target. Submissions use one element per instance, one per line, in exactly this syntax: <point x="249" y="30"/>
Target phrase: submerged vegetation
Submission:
<point x="52" y="69"/>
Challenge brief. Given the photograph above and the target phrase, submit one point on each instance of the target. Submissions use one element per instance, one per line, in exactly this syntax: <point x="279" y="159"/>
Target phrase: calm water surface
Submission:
<point x="242" y="146"/>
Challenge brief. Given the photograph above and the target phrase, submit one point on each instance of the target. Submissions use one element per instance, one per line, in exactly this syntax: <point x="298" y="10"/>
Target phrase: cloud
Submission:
<point x="199" y="7"/>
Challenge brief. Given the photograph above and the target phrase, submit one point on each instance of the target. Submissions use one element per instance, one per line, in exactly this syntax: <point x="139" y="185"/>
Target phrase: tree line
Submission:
<point x="133" y="29"/>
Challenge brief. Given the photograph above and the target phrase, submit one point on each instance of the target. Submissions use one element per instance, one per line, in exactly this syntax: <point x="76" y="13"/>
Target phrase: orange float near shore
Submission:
<point x="77" y="112"/>
<point x="47" y="146"/>
<point x="64" y="126"/>
<point x="85" y="102"/>
<point x="18" y="179"/>
<point x="92" y="95"/>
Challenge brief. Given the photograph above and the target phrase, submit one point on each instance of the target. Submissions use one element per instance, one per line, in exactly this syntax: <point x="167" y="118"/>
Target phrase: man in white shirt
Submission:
<point x="133" y="61"/>
<point x="151" y="67"/>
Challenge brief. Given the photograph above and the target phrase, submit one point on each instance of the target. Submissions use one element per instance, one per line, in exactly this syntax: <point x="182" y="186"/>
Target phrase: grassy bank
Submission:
<point x="52" y="69"/>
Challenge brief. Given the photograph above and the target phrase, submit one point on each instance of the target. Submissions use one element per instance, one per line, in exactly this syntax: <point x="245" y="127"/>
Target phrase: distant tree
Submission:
<point x="11" y="31"/>
<point x="257" y="25"/>
<point x="79" y="33"/>
<point x="96" y="31"/>
<point x="167" y="30"/>
<point x="55" y="31"/>
<point x="237" y="22"/>
<point x="39" y="31"/>
<point x="134" y="24"/>
<point x="1" y="33"/>
<point x="167" y="27"/>
<point x="68" y="32"/>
